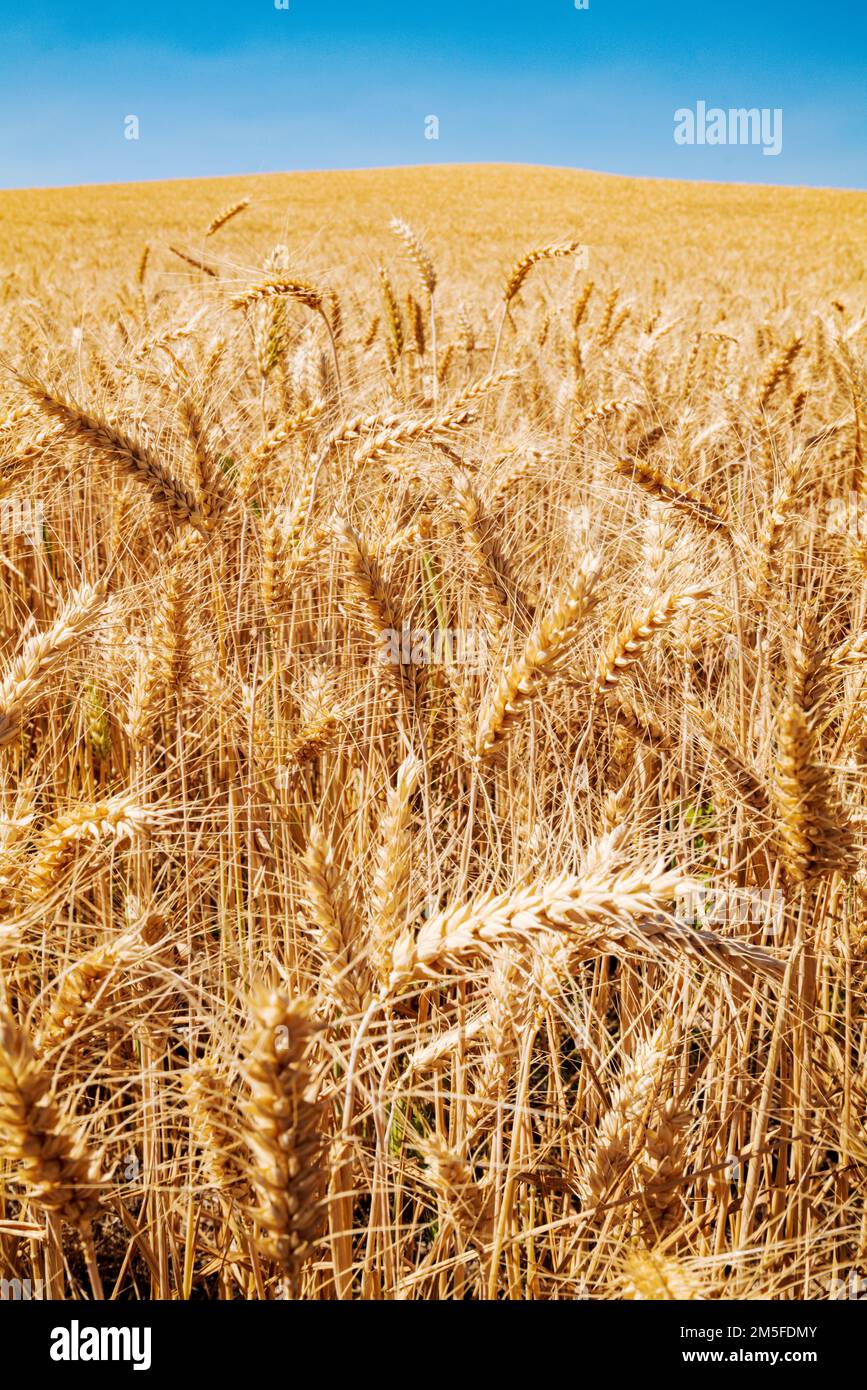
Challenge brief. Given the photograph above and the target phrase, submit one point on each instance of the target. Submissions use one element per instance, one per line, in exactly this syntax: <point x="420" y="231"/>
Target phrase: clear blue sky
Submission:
<point x="242" y="87"/>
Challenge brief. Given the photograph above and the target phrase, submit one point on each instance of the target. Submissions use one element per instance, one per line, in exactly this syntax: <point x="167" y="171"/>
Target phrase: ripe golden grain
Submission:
<point x="577" y="912"/>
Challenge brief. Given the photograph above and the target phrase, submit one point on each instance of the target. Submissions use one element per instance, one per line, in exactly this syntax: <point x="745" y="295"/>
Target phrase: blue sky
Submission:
<point x="244" y="87"/>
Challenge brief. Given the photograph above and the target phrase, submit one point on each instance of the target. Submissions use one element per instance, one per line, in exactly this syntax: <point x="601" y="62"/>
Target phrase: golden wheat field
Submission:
<point x="433" y="730"/>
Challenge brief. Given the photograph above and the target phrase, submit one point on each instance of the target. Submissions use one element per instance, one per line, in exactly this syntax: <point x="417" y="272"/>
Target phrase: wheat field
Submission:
<point x="433" y="728"/>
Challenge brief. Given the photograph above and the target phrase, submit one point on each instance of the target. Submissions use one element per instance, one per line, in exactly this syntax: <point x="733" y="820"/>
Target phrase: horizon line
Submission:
<point x="432" y="168"/>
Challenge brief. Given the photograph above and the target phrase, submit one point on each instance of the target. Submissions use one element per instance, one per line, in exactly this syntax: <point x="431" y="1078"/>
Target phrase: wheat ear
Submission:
<point x="601" y="411"/>
<point x="369" y="602"/>
<point x="667" y="489"/>
<point x="521" y="269"/>
<point x="815" y="838"/>
<point x="481" y="551"/>
<point x="214" y="1124"/>
<point x="59" y="1173"/>
<point x="203" y="266"/>
<point x="132" y="455"/>
<point x="42" y="655"/>
<point x="338" y="936"/>
<point x="779" y="370"/>
<point x="120" y="819"/>
<point x="391" y="880"/>
<point x="640" y="1137"/>
<point x="545" y="651"/>
<point x="395" y="437"/>
<point x="627" y="646"/>
<point x="299" y="290"/>
<point x="649" y="1275"/>
<point x="283" y="1128"/>
<point x="417" y="254"/>
<point x="602" y="910"/>
<point x="226" y="216"/>
<point x="81" y="986"/>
